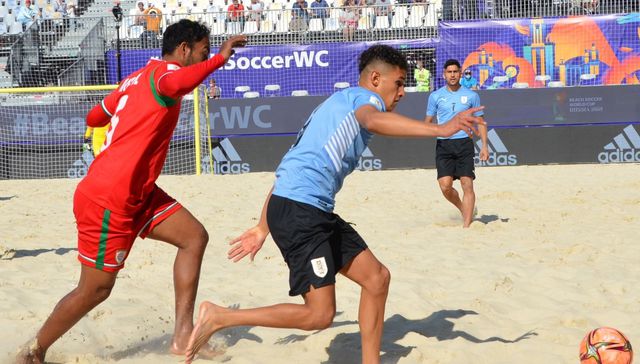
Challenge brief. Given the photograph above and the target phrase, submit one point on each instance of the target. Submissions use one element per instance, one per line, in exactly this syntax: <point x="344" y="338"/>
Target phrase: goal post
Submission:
<point x="42" y="131"/>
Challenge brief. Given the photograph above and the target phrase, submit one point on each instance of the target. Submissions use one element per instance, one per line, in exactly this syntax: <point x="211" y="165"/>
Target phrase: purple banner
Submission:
<point x="571" y="51"/>
<point x="315" y="68"/>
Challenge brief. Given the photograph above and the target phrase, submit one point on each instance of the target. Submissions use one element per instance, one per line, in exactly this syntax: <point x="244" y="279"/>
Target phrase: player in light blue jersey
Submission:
<point x="455" y="154"/>
<point x="316" y="243"/>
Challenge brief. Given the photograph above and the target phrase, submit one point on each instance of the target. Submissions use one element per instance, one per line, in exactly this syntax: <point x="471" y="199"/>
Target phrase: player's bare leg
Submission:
<point x="185" y="232"/>
<point x="450" y="193"/>
<point x="468" y="200"/>
<point x="374" y="278"/>
<point x="93" y="288"/>
<point x="316" y="313"/>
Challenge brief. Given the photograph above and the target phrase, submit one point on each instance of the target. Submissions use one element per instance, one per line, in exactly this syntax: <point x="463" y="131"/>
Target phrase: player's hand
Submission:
<point x="464" y="121"/>
<point x="484" y="153"/>
<point x="248" y="243"/>
<point x="226" y="48"/>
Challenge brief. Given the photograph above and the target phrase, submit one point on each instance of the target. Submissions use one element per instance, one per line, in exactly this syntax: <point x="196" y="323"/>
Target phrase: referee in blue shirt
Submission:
<point x="454" y="154"/>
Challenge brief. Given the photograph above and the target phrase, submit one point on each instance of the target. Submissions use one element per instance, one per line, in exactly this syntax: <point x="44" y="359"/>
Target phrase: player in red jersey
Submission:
<point x="118" y="200"/>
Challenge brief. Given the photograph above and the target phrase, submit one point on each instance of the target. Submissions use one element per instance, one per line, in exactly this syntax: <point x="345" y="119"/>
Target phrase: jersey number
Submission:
<point x="115" y="119"/>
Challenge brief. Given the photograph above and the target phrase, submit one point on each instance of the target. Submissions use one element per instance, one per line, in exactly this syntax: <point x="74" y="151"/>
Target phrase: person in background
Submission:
<point x="469" y="81"/>
<point x="422" y="76"/>
<point x="349" y="20"/>
<point x="27" y="14"/>
<point x="153" y="18"/>
<point x="215" y="92"/>
<point x="320" y="9"/>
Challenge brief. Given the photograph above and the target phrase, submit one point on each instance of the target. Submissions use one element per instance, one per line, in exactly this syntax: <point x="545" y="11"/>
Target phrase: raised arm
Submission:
<point x="182" y="81"/>
<point x="392" y="124"/>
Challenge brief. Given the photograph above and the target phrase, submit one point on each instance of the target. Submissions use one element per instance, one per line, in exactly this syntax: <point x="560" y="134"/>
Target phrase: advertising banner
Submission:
<point x="576" y="50"/>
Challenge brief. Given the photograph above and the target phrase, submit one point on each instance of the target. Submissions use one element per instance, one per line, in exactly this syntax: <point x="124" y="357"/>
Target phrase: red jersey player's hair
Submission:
<point x="185" y="30"/>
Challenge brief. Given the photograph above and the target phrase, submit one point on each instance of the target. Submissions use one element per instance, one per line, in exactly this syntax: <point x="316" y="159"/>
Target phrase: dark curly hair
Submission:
<point x="183" y="31"/>
<point x="386" y="54"/>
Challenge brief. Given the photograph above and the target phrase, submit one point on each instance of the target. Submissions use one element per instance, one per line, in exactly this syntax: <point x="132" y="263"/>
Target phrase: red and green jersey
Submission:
<point x="142" y="119"/>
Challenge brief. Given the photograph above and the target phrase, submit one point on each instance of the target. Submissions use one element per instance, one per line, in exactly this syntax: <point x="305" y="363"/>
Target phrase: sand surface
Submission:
<point x="554" y="252"/>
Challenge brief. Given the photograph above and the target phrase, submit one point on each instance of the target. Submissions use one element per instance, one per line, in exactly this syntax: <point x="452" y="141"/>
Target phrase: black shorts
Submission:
<point x="454" y="158"/>
<point x="315" y="244"/>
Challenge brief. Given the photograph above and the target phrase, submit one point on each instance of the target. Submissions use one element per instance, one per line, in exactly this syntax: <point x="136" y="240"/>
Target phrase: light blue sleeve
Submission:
<point x="431" y="104"/>
<point x="363" y="98"/>
<point x="476" y="103"/>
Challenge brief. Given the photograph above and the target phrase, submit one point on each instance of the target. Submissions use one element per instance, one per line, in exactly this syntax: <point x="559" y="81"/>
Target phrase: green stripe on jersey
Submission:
<point x="162" y="100"/>
<point x="102" y="248"/>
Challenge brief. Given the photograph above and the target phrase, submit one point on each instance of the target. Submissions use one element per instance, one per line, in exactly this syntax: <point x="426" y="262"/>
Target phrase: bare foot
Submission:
<point x="31" y="353"/>
<point x="207" y="352"/>
<point x="206" y="325"/>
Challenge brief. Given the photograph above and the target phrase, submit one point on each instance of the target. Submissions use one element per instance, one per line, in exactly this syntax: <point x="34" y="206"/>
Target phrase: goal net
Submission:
<point x="42" y="132"/>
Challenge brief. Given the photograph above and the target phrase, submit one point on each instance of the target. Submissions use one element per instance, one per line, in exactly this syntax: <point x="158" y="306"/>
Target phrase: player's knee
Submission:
<point x="446" y="188"/>
<point x="321" y="319"/>
<point x="379" y="282"/>
<point x="199" y="238"/>
<point x="96" y="294"/>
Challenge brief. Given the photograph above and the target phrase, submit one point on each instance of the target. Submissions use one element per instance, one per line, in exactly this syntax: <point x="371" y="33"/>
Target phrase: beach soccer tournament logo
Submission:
<point x="624" y="148"/>
<point x="226" y="160"/>
<point x="368" y="161"/>
<point x="498" y="154"/>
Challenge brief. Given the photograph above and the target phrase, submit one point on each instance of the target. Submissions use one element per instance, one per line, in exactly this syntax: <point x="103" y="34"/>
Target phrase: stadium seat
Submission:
<point x="416" y="18"/>
<point x="398" y="21"/>
<point x="382" y="22"/>
<point x="331" y="24"/>
<point x="266" y="26"/>
<point x="555" y="84"/>
<point x="587" y="79"/>
<point x="136" y="31"/>
<point x="282" y="26"/>
<point x="401" y="11"/>
<point x="340" y="86"/>
<point x="240" y="90"/>
<point x="234" y="27"/>
<point x="363" y="23"/>
<point x="299" y="93"/>
<point x="499" y="81"/>
<point x="541" y="80"/>
<point x="251" y="95"/>
<point x="431" y="18"/>
<point x="520" y="85"/>
<point x="15" y="28"/>
<point x="274" y="11"/>
<point x="217" y="28"/>
<point x="410" y="89"/>
<point x="250" y="27"/>
<point x="272" y="90"/>
<point x="315" y="25"/>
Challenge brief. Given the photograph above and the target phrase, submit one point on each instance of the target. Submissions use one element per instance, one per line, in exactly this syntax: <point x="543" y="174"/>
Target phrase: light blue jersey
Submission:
<point x="445" y="104"/>
<point x="327" y="150"/>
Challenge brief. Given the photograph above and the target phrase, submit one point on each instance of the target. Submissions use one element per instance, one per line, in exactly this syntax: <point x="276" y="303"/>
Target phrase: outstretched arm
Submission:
<point x="182" y="81"/>
<point x="250" y="242"/>
<point x="391" y="124"/>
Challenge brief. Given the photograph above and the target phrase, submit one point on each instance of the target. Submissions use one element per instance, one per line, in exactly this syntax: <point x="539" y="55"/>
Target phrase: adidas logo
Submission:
<point x="498" y="153"/>
<point x="226" y="160"/>
<point x="368" y="162"/>
<point x="79" y="168"/>
<point x="624" y="148"/>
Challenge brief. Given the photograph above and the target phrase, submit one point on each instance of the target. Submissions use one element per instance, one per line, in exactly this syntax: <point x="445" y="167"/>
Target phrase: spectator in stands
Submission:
<point x="349" y="20"/>
<point x="60" y="7"/>
<point x="384" y="8"/>
<point x="320" y="9"/>
<point x="72" y="13"/>
<point x="27" y="14"/>
<point x="153" y="18"/>
<point x="469" y="81"/>
<point x="215" y="92"/>
<point x="255" y="11"/>
<point x="235" y="12"/>
<point x="214" y="11"/>
<point x="138" y="14"/>
<point x="423" y="77"/>
<point x="300" y="16"/>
